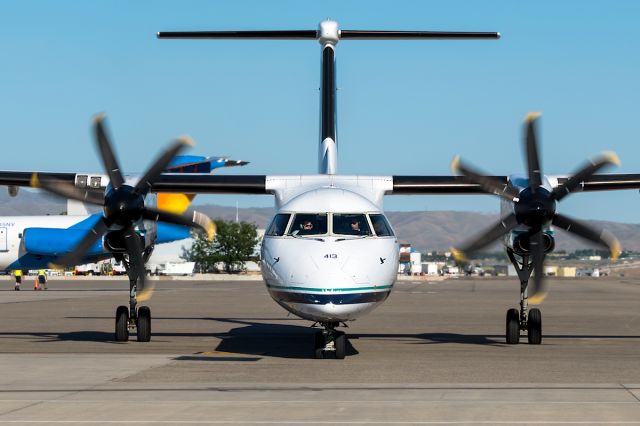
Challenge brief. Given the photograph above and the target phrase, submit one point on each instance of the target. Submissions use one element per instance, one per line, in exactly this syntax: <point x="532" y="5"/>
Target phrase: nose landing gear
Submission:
<point x="330" y="343"/>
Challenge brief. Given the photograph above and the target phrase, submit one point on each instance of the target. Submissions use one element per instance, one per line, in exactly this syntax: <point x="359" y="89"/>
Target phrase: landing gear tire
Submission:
<point x="341" y="345"/>
<point x="513" y="327"/>
<point x="319" y="345"/>
<point x="122" y="324"/>
<point x="534" y="327"/>
<point x="144" y="324"/>
<point x="330" y="344"/>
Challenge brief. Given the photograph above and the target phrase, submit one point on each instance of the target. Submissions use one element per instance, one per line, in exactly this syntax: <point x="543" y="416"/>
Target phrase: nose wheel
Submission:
<point x="330" y="343"/>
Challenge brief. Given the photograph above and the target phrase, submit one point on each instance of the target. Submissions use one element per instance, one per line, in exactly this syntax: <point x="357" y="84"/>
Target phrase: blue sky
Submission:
<point x="404" y="107"/>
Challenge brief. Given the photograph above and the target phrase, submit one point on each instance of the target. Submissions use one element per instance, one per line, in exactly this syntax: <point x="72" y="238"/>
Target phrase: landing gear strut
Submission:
<point x="329" y="342"/>
<point x="133" y="319"/>
<point x="525" y="318"/>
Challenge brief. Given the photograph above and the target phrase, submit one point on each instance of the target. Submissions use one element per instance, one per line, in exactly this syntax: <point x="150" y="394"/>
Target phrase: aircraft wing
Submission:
<point x="204" y="183"/>
<point x="407" y="185"/>
<point x="16" y="178"/>
<point x="210" y="184"/>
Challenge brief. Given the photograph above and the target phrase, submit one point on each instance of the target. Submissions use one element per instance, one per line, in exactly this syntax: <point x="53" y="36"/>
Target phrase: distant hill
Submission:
<point x="30" y="203"/>
<point x="439" y="230"/>
<point x="432" y="230"/>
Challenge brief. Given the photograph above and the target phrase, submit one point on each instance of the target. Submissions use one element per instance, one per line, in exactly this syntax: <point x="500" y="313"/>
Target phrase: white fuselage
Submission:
<point x="332" y="273"/>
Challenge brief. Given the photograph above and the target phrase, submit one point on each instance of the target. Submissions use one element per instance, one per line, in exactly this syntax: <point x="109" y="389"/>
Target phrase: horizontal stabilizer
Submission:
<point x="200" y="164"/>
<point x="342" y="35"/>
<point x="415" y="35"/>
<point x="275" y="35"/>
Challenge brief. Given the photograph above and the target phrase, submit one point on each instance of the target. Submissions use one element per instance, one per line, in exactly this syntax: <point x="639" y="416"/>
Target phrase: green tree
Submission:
<point x="201" y="252"/>
<point x="234" y="244"/>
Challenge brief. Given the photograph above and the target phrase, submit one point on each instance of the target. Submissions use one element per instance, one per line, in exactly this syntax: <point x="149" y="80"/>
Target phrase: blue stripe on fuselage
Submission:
<point x="325" y="299"/>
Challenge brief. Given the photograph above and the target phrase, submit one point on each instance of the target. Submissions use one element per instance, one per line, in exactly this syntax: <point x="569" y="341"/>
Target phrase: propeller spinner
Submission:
<point x="535" y="207"/>
<point x="123" y="206"/>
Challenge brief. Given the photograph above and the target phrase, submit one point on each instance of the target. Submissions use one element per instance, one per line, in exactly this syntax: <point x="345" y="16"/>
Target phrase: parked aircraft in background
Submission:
<point x="329" y="255"/>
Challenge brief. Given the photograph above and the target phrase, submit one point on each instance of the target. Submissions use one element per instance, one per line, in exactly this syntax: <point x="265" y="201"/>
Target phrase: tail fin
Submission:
<point x="328" y="34"/>
<point x="179" y="203"/>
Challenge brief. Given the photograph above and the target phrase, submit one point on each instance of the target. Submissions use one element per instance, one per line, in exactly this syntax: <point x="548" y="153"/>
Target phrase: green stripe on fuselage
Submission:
<point x="329" y="290"/>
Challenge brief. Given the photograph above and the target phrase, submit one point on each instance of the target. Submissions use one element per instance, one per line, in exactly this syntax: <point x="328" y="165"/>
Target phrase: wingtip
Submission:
<point x="532" y="116"/>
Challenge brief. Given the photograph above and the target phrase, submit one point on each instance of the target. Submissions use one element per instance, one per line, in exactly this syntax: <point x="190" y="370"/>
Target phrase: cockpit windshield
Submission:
<point x="339" y="224"/>
<point x="309" y="224"/>
<point x="381" y="226"/>
<point x="351" y="224"/>
<point x="278" y="225"/>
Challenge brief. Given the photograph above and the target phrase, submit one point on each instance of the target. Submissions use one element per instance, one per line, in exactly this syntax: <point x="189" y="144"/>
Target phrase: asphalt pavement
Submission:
<point x="222" y="352"/>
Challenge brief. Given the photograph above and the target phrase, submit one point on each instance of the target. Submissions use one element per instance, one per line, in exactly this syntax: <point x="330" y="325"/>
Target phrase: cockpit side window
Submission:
<point x="351" y="224"/>
<point x="380" y="225"/>
<point x="309" y="224"/>
<point x="279" y="225"/>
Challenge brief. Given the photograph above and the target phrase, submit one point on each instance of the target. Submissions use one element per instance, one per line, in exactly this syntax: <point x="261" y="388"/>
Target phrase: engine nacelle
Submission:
<point x="520" y="242"/>
<point x="114" y="242"/>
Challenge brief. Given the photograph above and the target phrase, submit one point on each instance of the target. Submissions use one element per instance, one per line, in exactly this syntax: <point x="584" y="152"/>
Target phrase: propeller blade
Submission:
<point x="487" y="183"/>
<point x="601" y="237"/>
<point x="80" y="251"/>
<point x="197" y="220"/>
<point x="533" y="160"/>
<point x="160" y="165"/>
<point x="136" y="263"/>
<point x="66" y="190"/>
<point x="106" y="153"/>
<point x="606" y="158"/>
<point x="505" y="225"/>
<point x="538" y="292"/>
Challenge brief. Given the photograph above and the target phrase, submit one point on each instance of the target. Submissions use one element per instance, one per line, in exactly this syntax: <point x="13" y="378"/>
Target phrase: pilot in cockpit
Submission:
<point x="355" y="227"/>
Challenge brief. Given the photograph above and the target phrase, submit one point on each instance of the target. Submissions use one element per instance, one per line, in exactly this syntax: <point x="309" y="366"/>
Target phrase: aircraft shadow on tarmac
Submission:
<point x="287" y="340"/>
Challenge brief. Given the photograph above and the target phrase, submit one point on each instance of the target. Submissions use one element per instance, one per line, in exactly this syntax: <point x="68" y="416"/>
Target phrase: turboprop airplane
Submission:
<point x="329" y="254"/>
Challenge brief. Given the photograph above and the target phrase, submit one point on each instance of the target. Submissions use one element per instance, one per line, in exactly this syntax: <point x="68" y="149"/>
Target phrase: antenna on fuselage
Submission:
<point x="328" y="34"/>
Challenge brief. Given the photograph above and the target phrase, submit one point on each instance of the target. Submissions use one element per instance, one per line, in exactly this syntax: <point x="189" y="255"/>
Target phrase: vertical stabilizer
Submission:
<point x="328" y="156"/>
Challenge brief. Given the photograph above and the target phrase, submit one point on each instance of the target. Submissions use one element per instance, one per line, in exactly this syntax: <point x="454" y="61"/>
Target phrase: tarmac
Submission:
<point x="222" y="352"/>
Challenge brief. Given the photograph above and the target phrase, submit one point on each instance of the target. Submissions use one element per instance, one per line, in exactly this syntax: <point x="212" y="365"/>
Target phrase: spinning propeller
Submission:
<point x="534" y="208"/>
<point x="123" y="206"/>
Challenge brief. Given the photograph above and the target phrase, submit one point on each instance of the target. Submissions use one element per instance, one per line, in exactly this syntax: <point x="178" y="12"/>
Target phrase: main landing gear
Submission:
<point x="524" y="319"/>
<point x="133" y="319"/>
<point x="329" y="342"/>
